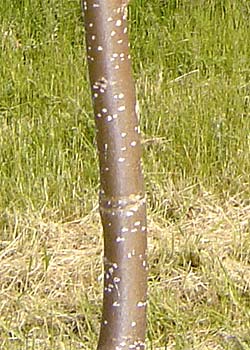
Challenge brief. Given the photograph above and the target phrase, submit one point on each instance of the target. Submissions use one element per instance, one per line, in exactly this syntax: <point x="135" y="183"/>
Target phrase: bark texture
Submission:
<point x="122" y="198"/>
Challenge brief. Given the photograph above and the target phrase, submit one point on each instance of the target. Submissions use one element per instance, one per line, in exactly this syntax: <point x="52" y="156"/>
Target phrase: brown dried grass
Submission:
<point x="50" y="280"/>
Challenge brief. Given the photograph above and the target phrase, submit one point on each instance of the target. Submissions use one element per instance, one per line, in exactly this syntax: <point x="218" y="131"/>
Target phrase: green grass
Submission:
<point x="202" y="117"/>
<point x="192" y="73"/>
<point x="47" y="131"/>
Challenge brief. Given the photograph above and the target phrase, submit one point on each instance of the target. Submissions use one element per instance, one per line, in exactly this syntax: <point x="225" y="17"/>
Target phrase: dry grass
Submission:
<point x="50" y="277"/>
<point x="200" y="277"/>
<point x="49" y="283"/>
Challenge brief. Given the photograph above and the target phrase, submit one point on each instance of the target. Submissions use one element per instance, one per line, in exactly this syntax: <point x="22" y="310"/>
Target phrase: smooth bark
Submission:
<point x="122" y="198"/>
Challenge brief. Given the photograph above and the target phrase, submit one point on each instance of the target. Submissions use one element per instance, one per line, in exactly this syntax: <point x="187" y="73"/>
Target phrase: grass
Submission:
<point x="198" y="283"/>
<point x="192" y="71"/>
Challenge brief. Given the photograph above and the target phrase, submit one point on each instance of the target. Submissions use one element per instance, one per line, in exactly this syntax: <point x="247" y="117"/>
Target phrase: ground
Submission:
<point x="51" y="280"/>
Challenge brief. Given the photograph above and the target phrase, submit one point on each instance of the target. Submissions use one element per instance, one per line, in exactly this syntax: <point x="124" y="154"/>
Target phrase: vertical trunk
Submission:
<point x="122" y="200"/>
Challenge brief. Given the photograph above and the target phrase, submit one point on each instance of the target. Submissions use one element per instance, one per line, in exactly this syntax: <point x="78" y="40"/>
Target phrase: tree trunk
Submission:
<point x="122" y="198"/>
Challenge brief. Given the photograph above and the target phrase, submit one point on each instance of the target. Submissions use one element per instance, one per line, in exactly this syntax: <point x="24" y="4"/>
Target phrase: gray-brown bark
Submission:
<point x="122" y="199"/>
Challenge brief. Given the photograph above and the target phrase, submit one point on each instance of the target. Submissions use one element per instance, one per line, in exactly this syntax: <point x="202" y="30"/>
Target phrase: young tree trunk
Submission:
<point x="122" y="199"/>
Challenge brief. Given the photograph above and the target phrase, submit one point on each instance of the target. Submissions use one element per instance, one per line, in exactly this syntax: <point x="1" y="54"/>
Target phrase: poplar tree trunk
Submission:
<point x="122" y="198"/>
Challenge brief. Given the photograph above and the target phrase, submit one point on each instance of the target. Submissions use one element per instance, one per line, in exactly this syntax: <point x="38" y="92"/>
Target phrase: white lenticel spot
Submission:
<point x="141" y="303"/>
<point x="121" y="160"/>
<point x="123" y="344"/>
<point x="120" y="239"/>
<point x="118" y="23"/>
<point x="121" y="108"/>
<point x="116" y="304"/>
